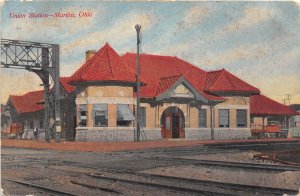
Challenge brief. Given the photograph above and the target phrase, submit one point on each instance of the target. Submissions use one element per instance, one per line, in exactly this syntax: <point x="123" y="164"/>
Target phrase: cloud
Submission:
<point x="17" y="83"/>
<point x="243" y="52"/>
<point x="176" y="49"/>
<point x="2" y="3"/>
<point x="118" y="33"/>
<point x="194" y="16"/>
<point x="297" y="3"/>
<point x="252" y="16"/>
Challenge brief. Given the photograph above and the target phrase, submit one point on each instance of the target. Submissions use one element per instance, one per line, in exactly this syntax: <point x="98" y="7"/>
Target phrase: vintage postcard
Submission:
<point x="150" y="98"/>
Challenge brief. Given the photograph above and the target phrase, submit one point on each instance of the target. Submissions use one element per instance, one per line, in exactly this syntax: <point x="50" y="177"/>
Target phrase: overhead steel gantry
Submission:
<point x="42" y="59"/>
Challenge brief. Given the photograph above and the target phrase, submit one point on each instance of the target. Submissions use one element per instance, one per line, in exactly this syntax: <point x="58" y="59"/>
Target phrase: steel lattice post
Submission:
<point x="57" y="92"/>
<point x="42" y="59"/>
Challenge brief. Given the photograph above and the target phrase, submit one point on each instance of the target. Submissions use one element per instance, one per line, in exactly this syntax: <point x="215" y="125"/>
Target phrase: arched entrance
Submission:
<point x="172" y="123"/>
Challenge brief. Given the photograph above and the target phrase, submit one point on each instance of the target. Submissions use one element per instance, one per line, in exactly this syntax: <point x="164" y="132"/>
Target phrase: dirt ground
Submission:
<point x="287" y="179"/>
<point x="119" y="146"/>
<point x="59" y="167"/>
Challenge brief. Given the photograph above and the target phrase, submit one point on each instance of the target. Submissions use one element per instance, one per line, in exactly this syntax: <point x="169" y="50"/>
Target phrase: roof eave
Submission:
<point x="113" y="82"/>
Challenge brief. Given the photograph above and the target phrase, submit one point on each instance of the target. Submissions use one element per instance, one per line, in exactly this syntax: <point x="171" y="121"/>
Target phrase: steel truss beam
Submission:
<point x="42" y="59"/>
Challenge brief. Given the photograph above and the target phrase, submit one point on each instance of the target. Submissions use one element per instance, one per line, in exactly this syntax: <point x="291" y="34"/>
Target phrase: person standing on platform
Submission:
<point x="36" y="133"/>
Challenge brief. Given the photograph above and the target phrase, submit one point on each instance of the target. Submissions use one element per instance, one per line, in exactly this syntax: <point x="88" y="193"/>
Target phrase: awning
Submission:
<point x="124" y="113"/>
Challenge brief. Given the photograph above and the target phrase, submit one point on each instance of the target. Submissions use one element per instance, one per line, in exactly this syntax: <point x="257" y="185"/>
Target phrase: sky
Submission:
<point x="257" y="41"/>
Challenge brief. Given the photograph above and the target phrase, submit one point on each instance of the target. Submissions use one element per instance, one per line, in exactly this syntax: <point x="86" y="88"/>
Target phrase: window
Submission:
<point x="124" y="115"/>
<point x="82" y="115"/>
<point x="181" y="122"/>
<point x="31" y="125"/>
<point x="41" y="124"/>
<point x="223" y="118"/>
<point x="142" y="117"/>
<point x="241" y="118"/>
<point x="202" y="118"/>
<point x="168" y="122"/>
<point x="100" y="115"/>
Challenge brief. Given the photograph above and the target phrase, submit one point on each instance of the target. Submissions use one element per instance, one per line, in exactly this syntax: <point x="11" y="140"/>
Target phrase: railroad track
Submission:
<point x="229" y="164"/>
<point x="217" y="148"/>
<point x="131" y="177"/>
<point x="179" y="161"/>
<point x="183" y="185"/>
<point x="178" y="188"/>
<point x="178" y="184"/>
<point x="39" y="187"/>
<point x="194" y="185"/>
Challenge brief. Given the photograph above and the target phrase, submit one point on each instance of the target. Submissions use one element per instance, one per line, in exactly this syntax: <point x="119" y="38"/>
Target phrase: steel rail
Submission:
<point x="223" y="185"/>
<point x="161" y="186"/>
<point x="230" y="164"/>
<point x="46" y="189"/>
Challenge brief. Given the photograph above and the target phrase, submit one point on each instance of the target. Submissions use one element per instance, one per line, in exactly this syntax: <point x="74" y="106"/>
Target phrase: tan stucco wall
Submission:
<point x="89" y="115"/>
<point x="150" y="115"/>
<point x="109" y="91"/>
<point x="237" y="100"/>
<point x="112" y="118"/>
<point x="110" y="95"/>
<point x="153" y="113"/>
<point x="194" y="122"/>
<point x="232" y="104"/>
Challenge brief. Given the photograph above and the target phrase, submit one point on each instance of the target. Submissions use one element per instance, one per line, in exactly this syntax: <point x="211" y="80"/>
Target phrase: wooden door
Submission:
<point x="167" y="126"/>
<point x="175" y="126"/>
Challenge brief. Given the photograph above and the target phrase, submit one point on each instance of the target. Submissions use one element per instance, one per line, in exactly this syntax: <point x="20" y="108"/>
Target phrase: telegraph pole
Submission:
<point x="138" y="83"/>
<point x="288" y="98"/>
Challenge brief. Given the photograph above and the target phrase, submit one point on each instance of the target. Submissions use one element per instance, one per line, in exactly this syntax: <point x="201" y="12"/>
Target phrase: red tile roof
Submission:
<point x="222" y="80"/>
<point x="262" y="105"/>
<point x="166" y="83"/>
<point x="32" y="101"/>
<point x="156" y="67"/>
<point x="64" y="82"/>
<point x="105" y="65"/>
<point x="28" y="102"/>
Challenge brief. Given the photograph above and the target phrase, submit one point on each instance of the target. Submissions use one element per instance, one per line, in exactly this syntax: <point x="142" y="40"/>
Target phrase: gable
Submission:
<point x="181" y="91"/>
<point x="224" y="81"/>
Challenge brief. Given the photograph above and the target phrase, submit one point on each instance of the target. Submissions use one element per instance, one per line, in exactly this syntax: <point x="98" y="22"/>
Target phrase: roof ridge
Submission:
<point x="180" y="75"/>
<point x="109" y="59"/>
<point x="147" y="54"/>
<point x="172" y="57"/>
<point x="229" y="78"/>
<point x="215" y="71"/>
<point x="215" y="81"/>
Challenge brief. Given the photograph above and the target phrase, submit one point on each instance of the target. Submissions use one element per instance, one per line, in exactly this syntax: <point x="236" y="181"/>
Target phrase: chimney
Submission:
<point x="89" y="54"/>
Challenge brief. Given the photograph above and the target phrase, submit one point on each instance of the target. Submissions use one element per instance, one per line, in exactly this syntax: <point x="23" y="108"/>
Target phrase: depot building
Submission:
<point x="178" y="100"/>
